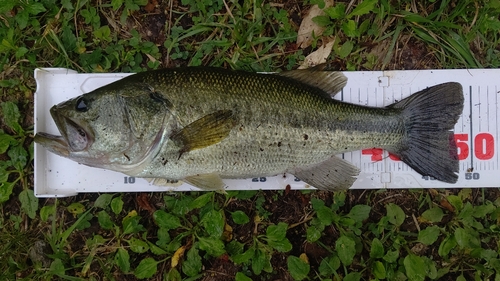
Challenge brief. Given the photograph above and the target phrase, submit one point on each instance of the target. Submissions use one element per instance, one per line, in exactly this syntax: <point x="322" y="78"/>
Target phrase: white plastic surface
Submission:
<point x="476" y="133"/>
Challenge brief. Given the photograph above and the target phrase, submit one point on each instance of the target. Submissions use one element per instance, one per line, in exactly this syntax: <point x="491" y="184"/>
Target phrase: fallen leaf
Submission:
<point x="319" y="56"/>
<point x="445" y="204"/>
<point x="304" y="258"/>
<point x="143" y="201"/>
<point x="177" y="255"/>
<point x="227" y="235"/>
<point x="308" y="27"/>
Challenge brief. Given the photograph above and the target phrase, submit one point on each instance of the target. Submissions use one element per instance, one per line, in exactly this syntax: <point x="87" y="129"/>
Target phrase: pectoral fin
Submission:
<point x="332" y="175"/>
<point x="206" y="131"/>
<point x="210" y="181"/>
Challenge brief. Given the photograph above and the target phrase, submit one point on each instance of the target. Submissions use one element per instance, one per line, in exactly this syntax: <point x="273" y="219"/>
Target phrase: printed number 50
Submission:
<point x="484" y="146"/>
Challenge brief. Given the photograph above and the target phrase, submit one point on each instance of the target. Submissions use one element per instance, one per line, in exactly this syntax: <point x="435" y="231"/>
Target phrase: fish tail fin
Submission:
<point x="429" y="146"/>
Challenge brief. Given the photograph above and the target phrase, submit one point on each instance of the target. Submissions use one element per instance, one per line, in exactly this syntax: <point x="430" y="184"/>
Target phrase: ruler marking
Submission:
<point x="496" y="125"/>
<point x="471" y="153"/>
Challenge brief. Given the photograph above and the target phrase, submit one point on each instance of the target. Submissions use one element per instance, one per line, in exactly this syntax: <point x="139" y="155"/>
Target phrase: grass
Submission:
<point x="353" y="235"/>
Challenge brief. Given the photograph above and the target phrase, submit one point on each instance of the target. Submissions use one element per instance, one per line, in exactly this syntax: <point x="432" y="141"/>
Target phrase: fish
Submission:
<point x="201" y="125"/>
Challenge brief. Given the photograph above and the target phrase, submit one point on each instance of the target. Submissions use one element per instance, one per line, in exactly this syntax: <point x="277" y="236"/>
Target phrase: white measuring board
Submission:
<point x="476" y="134"/>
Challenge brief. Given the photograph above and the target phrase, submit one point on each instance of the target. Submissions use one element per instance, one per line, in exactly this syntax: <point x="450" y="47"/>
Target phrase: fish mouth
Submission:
<point x="55" y="144"/>
<point x="74" y="137"/>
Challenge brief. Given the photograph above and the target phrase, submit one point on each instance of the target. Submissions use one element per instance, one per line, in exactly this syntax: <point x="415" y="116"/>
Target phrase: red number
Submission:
<point x="484" y="146"/>
<point x="394" y="157"/>
<point x="463" y="147"/>
<point x="376" y="153"/>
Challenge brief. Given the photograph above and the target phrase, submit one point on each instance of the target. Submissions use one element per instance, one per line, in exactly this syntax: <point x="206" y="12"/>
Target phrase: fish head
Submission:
<point x="112" y="128"/>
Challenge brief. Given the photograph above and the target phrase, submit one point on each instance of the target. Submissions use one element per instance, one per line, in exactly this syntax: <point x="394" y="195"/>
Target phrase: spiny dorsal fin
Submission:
<point x="320" y="77"/>
<point x="206" y="131"/>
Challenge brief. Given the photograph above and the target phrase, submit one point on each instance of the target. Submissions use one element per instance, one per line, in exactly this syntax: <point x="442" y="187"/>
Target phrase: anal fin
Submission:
<point x="333" y="174"/>
<point x="210" y="181"/>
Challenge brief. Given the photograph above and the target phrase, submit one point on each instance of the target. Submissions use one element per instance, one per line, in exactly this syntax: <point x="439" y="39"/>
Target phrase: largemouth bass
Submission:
<point x="201" y="125"/>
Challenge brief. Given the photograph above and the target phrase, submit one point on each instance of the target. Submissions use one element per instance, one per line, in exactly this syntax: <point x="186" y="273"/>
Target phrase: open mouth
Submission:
<point x="74" y="137"/>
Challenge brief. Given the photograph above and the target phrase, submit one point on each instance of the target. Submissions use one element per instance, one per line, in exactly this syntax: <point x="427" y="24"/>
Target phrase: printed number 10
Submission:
<point x="484" y="146"/>
<point x="128" y="180"/>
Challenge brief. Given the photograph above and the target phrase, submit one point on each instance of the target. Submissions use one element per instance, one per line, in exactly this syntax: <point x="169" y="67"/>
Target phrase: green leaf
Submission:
<point x="146" y="268"/>
<point x="447" y="245"/>
<point x="433" y="215"/>
<point x="313" y="234"/>
<point x="456" y="202"/>
<point x="336" y="12"/>
<point x="350" y="28"/>
<point x="5" y="191"/>
<point x="192" y="265"/>
<point x="352" y="276"/>
<point x="298" y="268"/>
<point x="47" y="211"/>
<point x="122" y="260"/>
<point x="429" y="235"/>
<point x="346" y="249"/>
<point x="322" y="21"/>
<point x="137" y="245"/>
<point x="283" y="245"/>
<point x="117" y="205"/>
<point x="346" y="49"/>
<point x="11" y="115"/>
<point x="5" y="141"/>
<point x="201" y="200"/>
<point x="329" y="266"/>
<point x="35" y="8"/>
<point x="461" y="278"/>
<point x="166" y="220"/>
<point x="430" y="268"/>
<point x="239" y="217"/>
<point x="360" y="212"/>
<point x="364" y="7"/>
<point x="277" y="232"/>
<point x="482" y="210"/>
<point x="29" y="203"/>
<point x="19" y="156"/>
<point x="260" y="261"/>
<point x="377" y="249"/>
<point x="462" y="237"/>
<point x="242" y="277"/>
<point x="131" y="225"/>
<point x="213" y="246"/>
<point x="104" y="220"/>
<point x="103" y="200"/>
<point x="76" y="208"/>
<point x="213" y="222"/>
<point x="325" y="215"/>
<point x="415" y="268"/>
<point x="243" y="257"/>
<point x="395" y="214"/>
<point x="57" y="267"/>
<point x="173" y="275"/>
<point x="391" y="256"/>
<point x="155" y="249"/>
<point x="379" y="270"/>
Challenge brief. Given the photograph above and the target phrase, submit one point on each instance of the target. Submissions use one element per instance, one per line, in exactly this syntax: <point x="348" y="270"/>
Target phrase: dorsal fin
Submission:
<point x="320" y="77"/>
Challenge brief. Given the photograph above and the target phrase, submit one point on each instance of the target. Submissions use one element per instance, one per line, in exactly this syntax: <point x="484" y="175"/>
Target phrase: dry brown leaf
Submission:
<point x="319" y="56"/>
<point x="177" y="255"/>
<point x="308" y="27"/>
<point x="143" y="202"/>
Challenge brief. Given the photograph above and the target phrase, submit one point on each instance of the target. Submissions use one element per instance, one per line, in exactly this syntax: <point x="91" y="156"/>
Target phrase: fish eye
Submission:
<point x="81" y="105"/>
